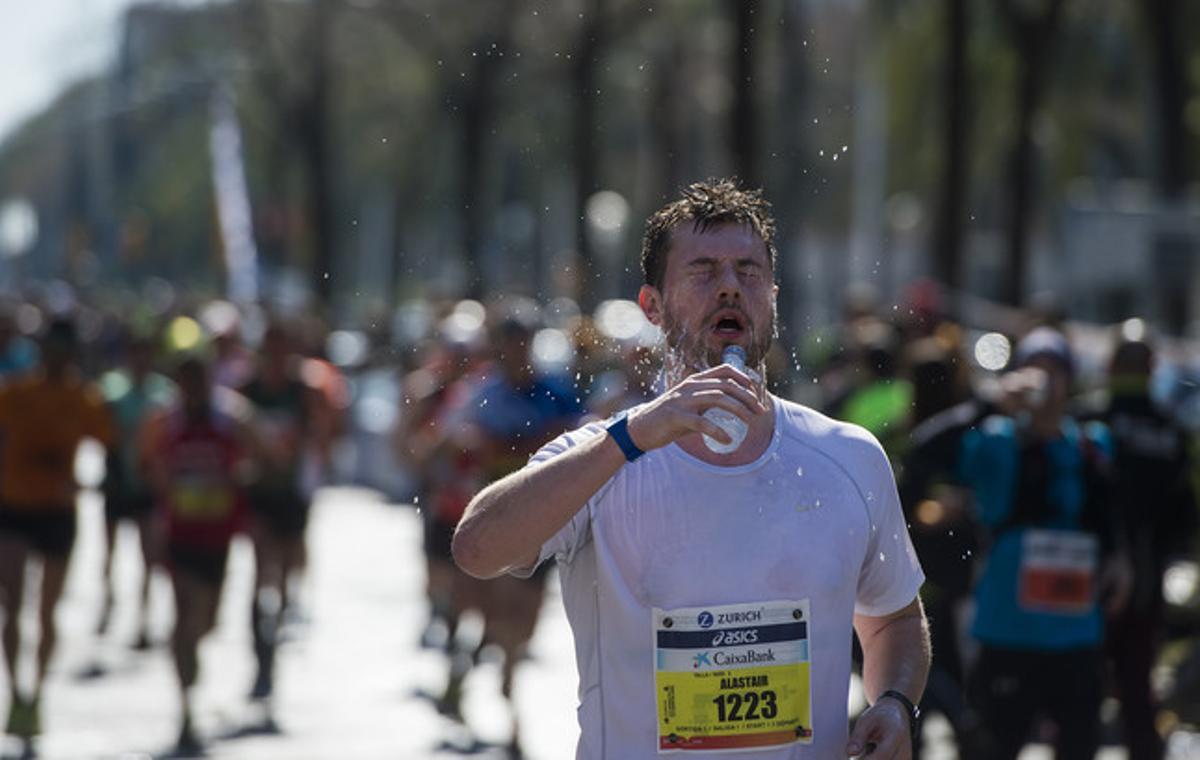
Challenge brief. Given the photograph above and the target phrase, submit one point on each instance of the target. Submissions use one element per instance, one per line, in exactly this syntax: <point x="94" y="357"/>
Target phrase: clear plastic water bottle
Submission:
<point x="734" y="427"/>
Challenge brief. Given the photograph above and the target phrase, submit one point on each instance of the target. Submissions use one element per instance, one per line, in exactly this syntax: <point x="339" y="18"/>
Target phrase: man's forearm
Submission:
<point x="506" y="524"/>
<point x="896" y="653"/>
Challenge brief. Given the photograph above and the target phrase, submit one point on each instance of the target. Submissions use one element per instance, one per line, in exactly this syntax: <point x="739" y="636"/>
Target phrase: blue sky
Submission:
<point x="46" y="44"/>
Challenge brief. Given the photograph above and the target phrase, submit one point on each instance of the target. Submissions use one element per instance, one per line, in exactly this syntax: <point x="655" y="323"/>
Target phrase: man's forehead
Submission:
<point x="690" y="239"/>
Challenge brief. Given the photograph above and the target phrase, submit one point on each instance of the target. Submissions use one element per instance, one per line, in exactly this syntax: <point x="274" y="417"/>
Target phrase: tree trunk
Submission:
<point x="1170" y="80"/>
<point x="791" y="184"/>
<point x="1034" y="37"/>
<point x="477" y="115"/>
<point x="1173" y="258"/>
<point x="315" y="142"/>
<point x="744" y="124"/>
<point x="954" y="186"/>
<point x="668" y="115"/>
<point x="584" y="147"/>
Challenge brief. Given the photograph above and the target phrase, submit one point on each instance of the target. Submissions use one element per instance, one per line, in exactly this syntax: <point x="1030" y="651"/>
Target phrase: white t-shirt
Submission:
<point x="815" y="518"/>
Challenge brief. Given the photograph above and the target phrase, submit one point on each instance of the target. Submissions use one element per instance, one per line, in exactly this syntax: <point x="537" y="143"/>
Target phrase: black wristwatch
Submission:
<point x="914" y="712"/>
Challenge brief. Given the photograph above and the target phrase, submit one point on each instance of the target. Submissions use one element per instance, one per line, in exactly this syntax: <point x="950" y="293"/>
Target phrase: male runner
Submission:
<point x="1055" y="565"/>
<point x="713" y="596"/>
<point x="285" y="417"/>
<point x="1155" y="506"/>
<point x="435" y="395"/>
<point x="132" y="393"/>
<point x="194" y="456"/>
<point x="43" y="418"/>
<point x="513" y="410"/>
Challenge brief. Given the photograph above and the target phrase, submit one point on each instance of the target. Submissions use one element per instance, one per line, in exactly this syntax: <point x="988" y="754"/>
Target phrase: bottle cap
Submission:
<point x="735" y="355"/>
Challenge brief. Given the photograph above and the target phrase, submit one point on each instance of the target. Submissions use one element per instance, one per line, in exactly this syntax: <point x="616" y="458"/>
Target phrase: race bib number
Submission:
<point x="1058" y="571"/>
<point x="733" y="677"/>
<point x="198" y="499"/>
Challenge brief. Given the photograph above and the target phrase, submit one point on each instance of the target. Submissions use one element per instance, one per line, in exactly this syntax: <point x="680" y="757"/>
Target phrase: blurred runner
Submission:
<point x="1157" y="512"/>
<point x="43" y="418"/>
<point x="18" y="354"/>
<point x="433" y="395"/>
<point x="330" y="402"/>
<point x="511" y="416"/>
<point x="1041" y="486"/>
<point x="133" y="394"/>
<point x="881" y="401"/>
<point x="940" y="519"/>
<point x="287" y="419"/>
<point x="194" y="456"/>
<point x="233" y="364"/>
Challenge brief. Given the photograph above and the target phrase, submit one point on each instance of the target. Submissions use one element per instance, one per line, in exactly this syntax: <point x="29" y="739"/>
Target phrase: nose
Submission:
<point x="728" y="286"/>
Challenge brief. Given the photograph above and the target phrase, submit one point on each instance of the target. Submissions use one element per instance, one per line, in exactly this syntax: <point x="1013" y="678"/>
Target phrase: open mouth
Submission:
<point x="729" y="324"/>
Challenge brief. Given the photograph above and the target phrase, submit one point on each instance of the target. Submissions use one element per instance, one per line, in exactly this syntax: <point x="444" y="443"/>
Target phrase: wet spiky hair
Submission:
<point x="708" y="204"/>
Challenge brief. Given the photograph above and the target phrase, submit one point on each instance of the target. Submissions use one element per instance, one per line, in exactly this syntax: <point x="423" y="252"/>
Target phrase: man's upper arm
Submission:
<point x="868" y="625"/>
<point x="574" y="534"/>
<point x="891" y="575"/>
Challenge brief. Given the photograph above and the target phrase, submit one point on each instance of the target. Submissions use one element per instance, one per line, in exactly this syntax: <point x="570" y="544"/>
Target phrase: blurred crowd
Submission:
<point x="1073" y="442"/>
<point x="1047" y="470"/>
<point x="207" y="436"/>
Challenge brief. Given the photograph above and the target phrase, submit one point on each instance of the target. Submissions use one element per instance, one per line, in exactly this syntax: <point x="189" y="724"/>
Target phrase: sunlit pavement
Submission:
<point x="351" y="677"/>
<point x="349" y="680"/>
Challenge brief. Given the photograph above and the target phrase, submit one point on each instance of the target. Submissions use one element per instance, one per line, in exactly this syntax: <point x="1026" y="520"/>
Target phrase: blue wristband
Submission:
<point x="619" y="431"/>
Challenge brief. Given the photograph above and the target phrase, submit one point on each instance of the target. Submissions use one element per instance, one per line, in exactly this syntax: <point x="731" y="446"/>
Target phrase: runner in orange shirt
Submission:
<point x="43" y="418"/>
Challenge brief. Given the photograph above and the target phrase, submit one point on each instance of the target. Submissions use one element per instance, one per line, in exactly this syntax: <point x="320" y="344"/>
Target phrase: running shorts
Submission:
<point x="207" y="563"/>
<point x="285" y="513"/>
<point x="49" y="530"/>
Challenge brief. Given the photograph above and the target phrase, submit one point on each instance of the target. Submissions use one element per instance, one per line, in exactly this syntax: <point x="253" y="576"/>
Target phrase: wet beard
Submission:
<point x="687" y="353"/>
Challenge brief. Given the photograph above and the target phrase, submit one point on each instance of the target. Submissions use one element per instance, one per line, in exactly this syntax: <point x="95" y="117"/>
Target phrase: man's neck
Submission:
<point x="758" y="438"/>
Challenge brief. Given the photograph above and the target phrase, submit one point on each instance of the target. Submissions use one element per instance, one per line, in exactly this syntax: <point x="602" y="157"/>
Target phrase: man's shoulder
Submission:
<point x="837" y="438"/>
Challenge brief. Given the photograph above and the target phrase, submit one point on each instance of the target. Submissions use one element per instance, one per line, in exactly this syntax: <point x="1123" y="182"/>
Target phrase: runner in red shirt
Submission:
<point x="195" y="452"/>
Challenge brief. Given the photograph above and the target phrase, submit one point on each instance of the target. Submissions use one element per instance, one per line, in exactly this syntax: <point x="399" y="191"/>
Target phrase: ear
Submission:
<point x="651" y="302"/>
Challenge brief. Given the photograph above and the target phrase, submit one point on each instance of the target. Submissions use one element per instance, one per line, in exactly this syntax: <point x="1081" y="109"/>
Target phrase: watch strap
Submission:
<point x="619" y="431"/>
<point x="914" y="712"/>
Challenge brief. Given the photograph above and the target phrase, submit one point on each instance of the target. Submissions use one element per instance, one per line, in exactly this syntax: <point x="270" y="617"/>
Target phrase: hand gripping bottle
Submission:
<point x="734" y="356"/>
